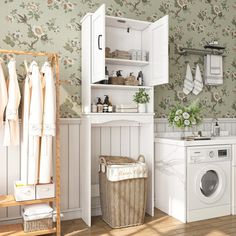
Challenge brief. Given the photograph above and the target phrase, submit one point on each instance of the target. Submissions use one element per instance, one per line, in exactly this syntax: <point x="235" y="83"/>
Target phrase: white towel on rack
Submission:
<point x="188" y="82"/>
<point x="3" y="94"/>
<point x="11" y="134"/>
<point x="25" y="125"/>
<point x="213" y="69"/>
<point x="198" y="84"/>
<point x="35" y="124"/>
<point x="49" y="124"/>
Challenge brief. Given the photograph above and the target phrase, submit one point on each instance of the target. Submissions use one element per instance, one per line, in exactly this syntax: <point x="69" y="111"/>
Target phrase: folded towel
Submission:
<point x="37" y="209"/>
<point x="213" y="66"/>
<point x="198" y="84"/>
<point x="188" y="82"/>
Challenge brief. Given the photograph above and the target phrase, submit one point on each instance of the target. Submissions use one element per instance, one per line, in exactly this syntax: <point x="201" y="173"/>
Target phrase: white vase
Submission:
<point x="141" y="107"/>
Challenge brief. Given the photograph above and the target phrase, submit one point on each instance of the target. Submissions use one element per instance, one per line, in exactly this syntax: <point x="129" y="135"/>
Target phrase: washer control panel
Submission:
<point x="209" y="153"/>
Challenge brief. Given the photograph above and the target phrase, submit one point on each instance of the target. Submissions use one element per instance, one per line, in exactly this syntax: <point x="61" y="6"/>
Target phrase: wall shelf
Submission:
<point x="118" y="87"/>
<point x="125" y="62"/>
<point x="9" y="201"/>
<point x="17" y="230"/>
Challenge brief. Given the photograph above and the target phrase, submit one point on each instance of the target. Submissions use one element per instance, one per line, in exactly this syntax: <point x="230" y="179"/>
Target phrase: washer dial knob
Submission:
<point x="211" y="154"/>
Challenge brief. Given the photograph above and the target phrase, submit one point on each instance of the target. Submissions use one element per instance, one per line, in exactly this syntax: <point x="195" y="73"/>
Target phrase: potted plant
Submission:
<point x="141" y="98"/>
<point x="185" y="116"/>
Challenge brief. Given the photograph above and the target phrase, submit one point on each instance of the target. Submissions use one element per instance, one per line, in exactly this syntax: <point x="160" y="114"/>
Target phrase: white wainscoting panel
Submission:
<point x="115" y="141"/>
<point x="226" y="124"/>
<point x="109" y="140"/>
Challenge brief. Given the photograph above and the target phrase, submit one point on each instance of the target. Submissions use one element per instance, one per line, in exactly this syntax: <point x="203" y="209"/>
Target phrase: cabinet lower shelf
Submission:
<point x="17" y="230"/>
<point x="9" y="201"/>
<point x="99" y="118"/>
<point x="126" y="62"/>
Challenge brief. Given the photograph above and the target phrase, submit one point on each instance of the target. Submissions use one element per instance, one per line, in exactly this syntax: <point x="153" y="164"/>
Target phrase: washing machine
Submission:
<point x="208" y="182"/>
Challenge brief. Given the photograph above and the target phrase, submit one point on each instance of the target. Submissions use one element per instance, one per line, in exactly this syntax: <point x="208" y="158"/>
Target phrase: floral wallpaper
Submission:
<point x="54" y="25"/>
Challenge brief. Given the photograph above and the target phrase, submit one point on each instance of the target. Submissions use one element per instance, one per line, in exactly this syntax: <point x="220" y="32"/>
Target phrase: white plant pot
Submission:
<point x="141" y="107"/>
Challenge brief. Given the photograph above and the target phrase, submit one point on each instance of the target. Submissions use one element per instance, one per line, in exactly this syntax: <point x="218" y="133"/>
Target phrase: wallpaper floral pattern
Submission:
<point x="54" y="25"/>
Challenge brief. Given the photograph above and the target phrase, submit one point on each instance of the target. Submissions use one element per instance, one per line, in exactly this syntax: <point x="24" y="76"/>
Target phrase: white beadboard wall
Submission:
<point x="117" y="140"/>
<point x="226" y="124"/>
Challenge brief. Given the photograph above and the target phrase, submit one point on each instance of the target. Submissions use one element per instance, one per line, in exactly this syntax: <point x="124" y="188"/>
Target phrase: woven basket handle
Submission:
<point x="141" y="158"/>
<point x="103" y="164"/>
<point x="103" y="161"/>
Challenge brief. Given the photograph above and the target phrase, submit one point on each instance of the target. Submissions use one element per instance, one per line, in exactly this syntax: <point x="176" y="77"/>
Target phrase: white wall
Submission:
<point x="118" y="140"/>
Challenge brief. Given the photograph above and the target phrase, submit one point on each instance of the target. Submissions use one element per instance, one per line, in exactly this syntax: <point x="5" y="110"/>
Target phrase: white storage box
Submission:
<point x="23" y="192"/>
<point x="45" y="191"/>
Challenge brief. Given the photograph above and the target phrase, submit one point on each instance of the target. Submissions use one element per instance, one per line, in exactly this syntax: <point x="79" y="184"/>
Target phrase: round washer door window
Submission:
<point x="209" y="183"/>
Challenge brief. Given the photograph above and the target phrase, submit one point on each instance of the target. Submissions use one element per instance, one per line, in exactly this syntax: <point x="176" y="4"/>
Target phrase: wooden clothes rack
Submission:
<point x="8" y="200"/>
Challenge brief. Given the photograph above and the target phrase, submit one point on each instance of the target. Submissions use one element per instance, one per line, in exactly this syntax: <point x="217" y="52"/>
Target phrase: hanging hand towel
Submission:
<point x="198" y="84"/>
<point x="25" y="124"/>
<point x="213" y="69"/>
<point x="11" y="135"/>
<point x="35" y="124"/>
<point x="3" y="94"/>
<point x="49" y="124"/>
<point x="188" y="82"/>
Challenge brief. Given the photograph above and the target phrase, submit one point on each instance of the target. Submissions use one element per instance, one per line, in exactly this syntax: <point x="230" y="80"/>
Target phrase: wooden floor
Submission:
<point x="160" y="225"/>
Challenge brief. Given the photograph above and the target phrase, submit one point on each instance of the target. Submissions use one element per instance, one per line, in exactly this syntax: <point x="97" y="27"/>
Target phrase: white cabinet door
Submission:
<point x="98" y="45"/>
<point x="159" y="51"/>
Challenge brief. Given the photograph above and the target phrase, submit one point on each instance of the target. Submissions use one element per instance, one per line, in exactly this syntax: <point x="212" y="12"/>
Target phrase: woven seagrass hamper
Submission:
<point x="123" y="202"/>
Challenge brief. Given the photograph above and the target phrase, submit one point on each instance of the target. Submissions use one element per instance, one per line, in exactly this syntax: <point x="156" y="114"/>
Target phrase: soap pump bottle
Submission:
<point x="106" y="103"/>
<point x="140" y="78"/>
<point x="217" y="129"/>
<point x="99" y="106"/>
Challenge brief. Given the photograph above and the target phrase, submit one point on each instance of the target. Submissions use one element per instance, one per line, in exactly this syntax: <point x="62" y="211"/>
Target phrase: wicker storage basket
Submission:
<point x="123" y="203"/>
<point x="36" y="225"/>
<point x="116" y="80"/>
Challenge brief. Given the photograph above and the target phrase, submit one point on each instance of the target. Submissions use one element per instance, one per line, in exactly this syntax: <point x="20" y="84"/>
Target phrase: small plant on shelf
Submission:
<point x="185" y="116"/>
<point x="141" y="98"/>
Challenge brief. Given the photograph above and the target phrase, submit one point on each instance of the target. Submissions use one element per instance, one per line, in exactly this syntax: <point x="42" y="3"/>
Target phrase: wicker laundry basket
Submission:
<point x="39" y="224"/>
<point x="123" y="202"/>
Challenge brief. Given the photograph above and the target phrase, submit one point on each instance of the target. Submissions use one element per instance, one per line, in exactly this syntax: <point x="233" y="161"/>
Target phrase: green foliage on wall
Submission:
<point x="54" y="25"/>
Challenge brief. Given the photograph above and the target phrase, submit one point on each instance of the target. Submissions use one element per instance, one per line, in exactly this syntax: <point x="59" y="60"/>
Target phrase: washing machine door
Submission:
<point x="210" y="184"/>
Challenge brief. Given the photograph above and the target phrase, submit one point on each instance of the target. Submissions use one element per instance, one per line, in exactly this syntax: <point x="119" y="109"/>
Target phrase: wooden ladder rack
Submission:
<point x="8" y="200"/>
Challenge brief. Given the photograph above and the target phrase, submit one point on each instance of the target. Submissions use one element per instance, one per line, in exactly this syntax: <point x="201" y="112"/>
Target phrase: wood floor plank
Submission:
<point x="159" y="225"/>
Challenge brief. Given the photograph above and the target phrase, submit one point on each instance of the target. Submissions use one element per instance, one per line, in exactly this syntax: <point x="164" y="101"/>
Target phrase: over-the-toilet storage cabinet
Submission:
<point x="100" y="31"/>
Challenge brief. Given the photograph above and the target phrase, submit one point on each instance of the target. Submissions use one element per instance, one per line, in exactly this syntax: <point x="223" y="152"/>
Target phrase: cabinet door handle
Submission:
<point x="99" y="39"/>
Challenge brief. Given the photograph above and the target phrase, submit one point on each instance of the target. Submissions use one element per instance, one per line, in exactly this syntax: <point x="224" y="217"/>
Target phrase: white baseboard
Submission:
<point x="71" y="214"/>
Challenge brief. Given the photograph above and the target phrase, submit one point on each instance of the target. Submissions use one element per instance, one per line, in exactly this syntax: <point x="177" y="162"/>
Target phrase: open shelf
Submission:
<point x="17" y="230"/>
<point x="125" y="62"/>
<point x="112" y="86"/>
<point x="9" y="201"/>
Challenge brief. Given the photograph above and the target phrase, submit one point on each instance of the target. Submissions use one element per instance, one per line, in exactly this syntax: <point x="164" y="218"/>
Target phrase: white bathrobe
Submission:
<point x="49" y="124"/>
<point x="11" y="136"/>
<point x="3" y="94"/>
<point x="25" y="124"/>
<point x="35" y="124"/>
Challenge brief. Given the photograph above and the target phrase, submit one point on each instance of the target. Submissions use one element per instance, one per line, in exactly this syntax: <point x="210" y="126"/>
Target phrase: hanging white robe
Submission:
<point x="35" y="124"/>
<point x="49" y="124"/>
<point x="3" y="94"/>
<point x="25" y="126"/>
<point x="11" y="135"/>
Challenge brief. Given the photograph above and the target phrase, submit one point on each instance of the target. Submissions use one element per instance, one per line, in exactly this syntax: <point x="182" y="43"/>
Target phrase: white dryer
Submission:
<point x="208" y="182"/>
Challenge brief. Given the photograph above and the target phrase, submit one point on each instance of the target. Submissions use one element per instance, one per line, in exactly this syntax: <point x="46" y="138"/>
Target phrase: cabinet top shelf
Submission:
<point x="118" y="87"/>
<point x="125" y="62"/>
